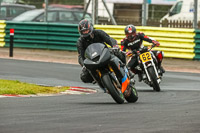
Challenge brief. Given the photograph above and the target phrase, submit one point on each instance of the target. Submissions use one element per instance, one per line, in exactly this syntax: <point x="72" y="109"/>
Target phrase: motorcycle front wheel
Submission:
<point x="152" y="74"/>
<point x="112" y="89"/>
<point x="133" y="97"/>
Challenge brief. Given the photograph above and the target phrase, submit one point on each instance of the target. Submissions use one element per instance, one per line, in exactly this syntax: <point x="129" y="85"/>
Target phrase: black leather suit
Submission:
<point x="99" y="36"/>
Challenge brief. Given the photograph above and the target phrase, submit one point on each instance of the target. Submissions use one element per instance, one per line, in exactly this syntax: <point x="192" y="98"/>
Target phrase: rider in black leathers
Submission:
<point x="133" y="41"/>
<point x="88" y="35"/>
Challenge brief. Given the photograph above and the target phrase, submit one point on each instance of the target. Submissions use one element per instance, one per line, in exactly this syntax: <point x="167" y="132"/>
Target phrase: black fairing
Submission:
<point x="97" y="55"/>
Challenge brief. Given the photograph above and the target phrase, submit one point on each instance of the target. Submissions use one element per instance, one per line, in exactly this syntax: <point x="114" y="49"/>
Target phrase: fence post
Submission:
<point x="46" y="11"/>
<point x="11" y="42"/>
<point x="195" y="14"/>
<point x="144" y="13"/>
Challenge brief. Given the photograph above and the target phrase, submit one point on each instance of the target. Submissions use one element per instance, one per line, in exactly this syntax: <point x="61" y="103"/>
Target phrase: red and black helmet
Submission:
<point x="85" y="28"/>
<point x="130" y="32"/>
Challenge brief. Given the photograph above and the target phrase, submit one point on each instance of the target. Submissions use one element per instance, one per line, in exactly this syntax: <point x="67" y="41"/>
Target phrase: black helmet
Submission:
<point x="85" y="28"/>
<point x="130" y="31"/>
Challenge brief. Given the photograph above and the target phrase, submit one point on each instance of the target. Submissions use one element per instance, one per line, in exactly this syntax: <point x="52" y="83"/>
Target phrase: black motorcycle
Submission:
<point x="110" y="73"/>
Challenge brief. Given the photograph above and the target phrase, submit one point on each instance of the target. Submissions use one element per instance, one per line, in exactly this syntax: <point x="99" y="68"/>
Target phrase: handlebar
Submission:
<point x="140" y="50"/>
<point x="136" y="52"/>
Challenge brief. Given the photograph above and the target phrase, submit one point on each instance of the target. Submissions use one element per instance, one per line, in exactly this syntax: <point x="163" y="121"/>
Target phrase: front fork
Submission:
<point x="118" y="72"/>
<point x="145" y="68"/>
<point x="124" y="80"/>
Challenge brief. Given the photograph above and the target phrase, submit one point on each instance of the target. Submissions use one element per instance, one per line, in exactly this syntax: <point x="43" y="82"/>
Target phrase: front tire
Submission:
<point x="133" y="97"/>
<point x="152" y="74"/>
<point x="114" y="91"/>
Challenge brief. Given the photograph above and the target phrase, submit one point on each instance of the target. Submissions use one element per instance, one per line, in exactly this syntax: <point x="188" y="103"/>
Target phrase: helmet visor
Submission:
<point x="85" y="32"/>
<point x="130" y="36"/>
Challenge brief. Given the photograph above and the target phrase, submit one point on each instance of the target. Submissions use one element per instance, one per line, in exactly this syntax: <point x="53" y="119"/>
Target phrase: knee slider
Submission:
<point x="86" y="77"/>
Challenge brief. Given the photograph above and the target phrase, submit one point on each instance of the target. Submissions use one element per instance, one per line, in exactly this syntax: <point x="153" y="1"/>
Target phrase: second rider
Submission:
<point x="134" y="41"/>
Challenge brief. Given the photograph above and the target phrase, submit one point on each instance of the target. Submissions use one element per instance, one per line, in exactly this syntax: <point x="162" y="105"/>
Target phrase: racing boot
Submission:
<point x="139" y="77"/>
<point x="131" y="75"/>
<point x="161" y="70"/>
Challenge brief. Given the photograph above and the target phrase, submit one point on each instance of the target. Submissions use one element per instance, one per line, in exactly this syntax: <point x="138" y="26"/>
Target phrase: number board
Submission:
<point x="145" y="56"/>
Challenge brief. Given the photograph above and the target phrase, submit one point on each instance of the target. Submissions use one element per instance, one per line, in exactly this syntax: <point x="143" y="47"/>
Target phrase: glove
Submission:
<point x="155" y="43"/>
<point x="144" y="49"/>
<point x="150" y="47"/>
<point x="135" y="51"/>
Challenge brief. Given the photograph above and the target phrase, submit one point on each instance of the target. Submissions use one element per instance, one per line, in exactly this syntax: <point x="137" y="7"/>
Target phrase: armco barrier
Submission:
<point x="175" y="42"/>
<point x="2" y="33"/>
<point x="43" y="35"/>
<point x="197" y="47"/>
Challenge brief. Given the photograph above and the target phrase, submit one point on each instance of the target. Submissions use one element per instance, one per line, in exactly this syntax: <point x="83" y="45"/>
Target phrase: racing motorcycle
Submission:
<point x="148" y="67"/>
<point x="110" y="73"/>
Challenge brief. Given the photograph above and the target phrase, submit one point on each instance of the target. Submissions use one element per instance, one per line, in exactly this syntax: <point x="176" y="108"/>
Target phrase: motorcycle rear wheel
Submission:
<point x="152" y="74"/>
<point x="112" y="89"/>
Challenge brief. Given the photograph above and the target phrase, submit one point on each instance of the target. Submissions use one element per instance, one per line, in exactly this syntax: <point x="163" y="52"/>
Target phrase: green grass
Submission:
<point x="20" y="88"/>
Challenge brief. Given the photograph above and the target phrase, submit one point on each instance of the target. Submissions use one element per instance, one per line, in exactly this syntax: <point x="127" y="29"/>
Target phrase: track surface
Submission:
<point x="175" y="109"/>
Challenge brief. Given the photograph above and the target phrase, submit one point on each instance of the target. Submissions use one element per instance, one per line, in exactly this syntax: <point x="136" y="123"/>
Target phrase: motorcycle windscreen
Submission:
<point x="94" y="50"/>
<point x="99" y="56"/>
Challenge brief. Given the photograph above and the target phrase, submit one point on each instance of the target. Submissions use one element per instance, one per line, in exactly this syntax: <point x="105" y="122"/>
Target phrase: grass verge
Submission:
<point x="21" y="88"/>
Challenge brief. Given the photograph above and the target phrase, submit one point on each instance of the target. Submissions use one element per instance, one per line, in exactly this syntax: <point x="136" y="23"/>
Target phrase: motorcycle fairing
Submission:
<point x="125" y="83"/>
<point x="117" y="66"/>
<point x="94" y="50"/>
<point x="97" y="55"/>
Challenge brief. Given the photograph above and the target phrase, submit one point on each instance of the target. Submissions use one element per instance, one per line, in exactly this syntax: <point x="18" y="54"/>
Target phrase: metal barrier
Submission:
<point x="175" y="42"/>
<point x="197" y="47"/>
<point x="43" y="35"/>
<point x="2" y="33"/>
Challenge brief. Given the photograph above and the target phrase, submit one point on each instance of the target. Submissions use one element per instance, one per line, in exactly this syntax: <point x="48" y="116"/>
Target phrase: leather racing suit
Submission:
<point x="135" y="44"/>
<point x="99" y="36"/>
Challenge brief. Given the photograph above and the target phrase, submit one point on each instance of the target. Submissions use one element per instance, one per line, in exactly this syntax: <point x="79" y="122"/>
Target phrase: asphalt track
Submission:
<point x="173" y="110"/>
